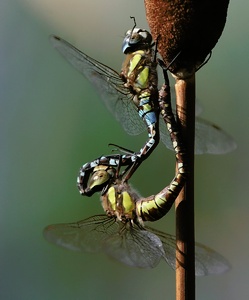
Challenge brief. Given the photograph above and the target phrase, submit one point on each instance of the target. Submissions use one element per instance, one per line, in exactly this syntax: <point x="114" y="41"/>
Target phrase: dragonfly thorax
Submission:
<point x="139" y="73"/>
<point x="120" y="201"/>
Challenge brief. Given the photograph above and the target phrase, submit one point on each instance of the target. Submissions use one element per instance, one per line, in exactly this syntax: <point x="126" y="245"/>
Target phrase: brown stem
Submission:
<point x="185" y="256"/>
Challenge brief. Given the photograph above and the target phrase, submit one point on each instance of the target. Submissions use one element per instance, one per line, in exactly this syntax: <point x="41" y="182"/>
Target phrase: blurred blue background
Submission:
<point x="51" y="122"/>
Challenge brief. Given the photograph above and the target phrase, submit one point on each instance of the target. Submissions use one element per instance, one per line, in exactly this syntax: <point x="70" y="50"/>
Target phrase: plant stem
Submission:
<point x="185" y="256"/>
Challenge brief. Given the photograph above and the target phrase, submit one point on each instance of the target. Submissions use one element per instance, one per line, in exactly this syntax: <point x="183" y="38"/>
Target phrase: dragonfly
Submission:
<point x="121" y="233"/>
<point x="103" y="175"/>
<point x="121" y="95"/>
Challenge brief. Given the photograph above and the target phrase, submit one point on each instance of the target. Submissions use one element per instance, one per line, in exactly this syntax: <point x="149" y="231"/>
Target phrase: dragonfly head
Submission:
<point x="136" y="39"/>
<point x="99" y="179"/>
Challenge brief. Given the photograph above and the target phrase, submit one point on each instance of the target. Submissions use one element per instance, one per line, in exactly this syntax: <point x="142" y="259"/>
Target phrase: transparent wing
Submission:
<point x="135" y="247"/>
<point x="169" y="245"/>
<point x="207" y="261"/>
<point x="87" y="235"/>
<point x="108" y="83"/>
<point x="209" y="138"/>
<point x="129" y="245"/>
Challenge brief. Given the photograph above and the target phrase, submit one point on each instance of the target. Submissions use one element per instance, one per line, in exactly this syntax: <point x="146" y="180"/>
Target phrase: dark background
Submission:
<point x="51" y="122"/>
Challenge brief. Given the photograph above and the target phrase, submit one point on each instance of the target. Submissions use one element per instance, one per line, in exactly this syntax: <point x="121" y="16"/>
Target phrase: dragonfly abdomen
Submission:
<point x="155" y="207"/>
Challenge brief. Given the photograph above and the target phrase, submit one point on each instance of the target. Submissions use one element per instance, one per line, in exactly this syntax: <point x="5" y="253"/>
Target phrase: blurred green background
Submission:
<point x="52" y="122"/>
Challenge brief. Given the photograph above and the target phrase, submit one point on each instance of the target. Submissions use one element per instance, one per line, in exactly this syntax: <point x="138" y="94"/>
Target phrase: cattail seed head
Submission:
<point x="191" y="27"/>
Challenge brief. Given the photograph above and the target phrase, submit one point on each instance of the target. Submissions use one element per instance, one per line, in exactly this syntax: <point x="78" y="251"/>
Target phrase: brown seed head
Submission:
<point x="191" y="26"/>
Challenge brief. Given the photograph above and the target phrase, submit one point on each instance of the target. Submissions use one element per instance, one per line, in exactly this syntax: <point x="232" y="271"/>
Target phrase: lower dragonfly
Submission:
<point x="121" y="233"/>
<point x="132" y="95"/>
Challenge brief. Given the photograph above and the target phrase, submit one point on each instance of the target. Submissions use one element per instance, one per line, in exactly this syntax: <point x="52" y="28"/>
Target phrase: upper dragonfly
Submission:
<point x="132" y="95"/>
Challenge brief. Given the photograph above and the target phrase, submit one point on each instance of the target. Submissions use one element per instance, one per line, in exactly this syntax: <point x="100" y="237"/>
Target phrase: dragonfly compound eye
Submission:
<point x="100" y="177"/>
<point x="136" y="39"/>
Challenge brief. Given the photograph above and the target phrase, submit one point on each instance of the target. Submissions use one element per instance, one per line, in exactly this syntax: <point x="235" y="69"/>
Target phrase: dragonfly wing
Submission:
<point x="207" y="261"/>
<point x="135" y="247"/>
<point x="209" y="138"/>
<point x="108" y="83"/>
<point x="164" y="134"/>
<point x="86" y="236"/>
<point x="129" y="117"/>
<point x="131" y="246"/>
<point x="169" y="246"/>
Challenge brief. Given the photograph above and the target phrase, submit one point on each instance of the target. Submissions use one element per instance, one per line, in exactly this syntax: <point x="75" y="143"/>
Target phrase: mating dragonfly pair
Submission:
<point x="121" y="233"/>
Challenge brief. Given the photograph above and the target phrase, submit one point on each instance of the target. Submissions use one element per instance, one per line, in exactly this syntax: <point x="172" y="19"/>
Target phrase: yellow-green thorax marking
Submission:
<point x="119" y="201"/>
